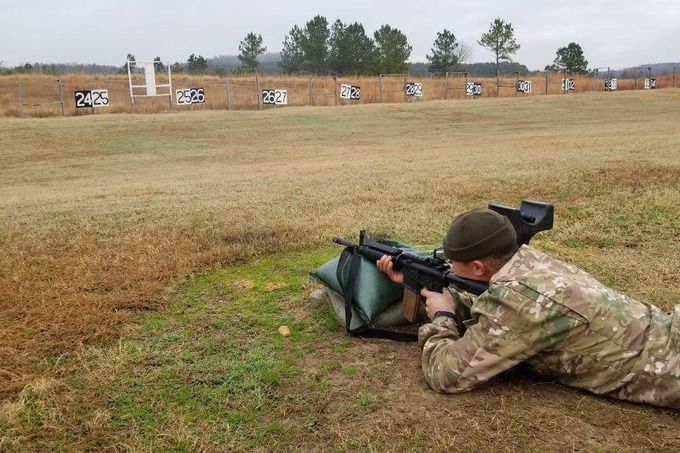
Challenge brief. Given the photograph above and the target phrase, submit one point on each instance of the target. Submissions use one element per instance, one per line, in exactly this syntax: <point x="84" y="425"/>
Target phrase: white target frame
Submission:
<point x="151" y="87"/>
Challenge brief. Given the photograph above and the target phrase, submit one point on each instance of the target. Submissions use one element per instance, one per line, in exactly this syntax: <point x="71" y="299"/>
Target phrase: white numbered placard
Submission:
<point x="350" y="92"/>
<point x="274" y="97"/>
<point x="524" y="86"/>
<point x="650" y="84"/>
<point x="473" y="89"/>
<point x="91" y="98"/>
<point x="188" y="96"/>
<point x="611" y="84"/>
<point x="414" y="89"/>
<point x="568" y="84"/>
<point x="281" y="97"/>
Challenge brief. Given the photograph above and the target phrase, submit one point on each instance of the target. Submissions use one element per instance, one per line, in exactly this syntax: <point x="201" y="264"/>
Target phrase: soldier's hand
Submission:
<point x="386" y="265"/>
<point x="435" y="302"/>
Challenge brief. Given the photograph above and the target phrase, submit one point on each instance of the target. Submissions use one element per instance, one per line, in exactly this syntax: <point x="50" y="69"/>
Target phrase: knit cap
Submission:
<point x="478" y="233"/>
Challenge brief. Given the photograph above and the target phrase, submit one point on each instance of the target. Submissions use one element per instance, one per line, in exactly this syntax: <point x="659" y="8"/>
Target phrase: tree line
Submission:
<point x="321" y="48"/>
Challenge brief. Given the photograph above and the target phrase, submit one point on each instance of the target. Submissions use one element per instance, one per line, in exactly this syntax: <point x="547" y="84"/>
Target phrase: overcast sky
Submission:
<point x="614" y="33"/>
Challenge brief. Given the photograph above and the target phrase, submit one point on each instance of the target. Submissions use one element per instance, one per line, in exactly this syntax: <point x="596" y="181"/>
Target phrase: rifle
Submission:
<point x="433" y="272"/>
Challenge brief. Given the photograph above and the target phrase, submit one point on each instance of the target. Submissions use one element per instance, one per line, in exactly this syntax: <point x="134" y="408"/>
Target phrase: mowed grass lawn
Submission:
<point x="148" y="261"/>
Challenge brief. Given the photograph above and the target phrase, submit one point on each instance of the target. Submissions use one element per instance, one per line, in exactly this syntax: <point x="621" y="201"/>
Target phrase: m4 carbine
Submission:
<point x="433" y="272"/>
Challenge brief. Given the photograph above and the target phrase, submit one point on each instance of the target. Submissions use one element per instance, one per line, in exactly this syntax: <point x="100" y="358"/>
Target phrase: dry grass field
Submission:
<point x="40" y="93"/>
<point x="146" y="262"/>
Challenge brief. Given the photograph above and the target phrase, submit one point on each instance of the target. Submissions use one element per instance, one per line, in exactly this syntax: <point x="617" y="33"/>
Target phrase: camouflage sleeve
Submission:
<point x="454" y="364"/>
<point x="464" y="301"/>
<point x="506" y="333"/>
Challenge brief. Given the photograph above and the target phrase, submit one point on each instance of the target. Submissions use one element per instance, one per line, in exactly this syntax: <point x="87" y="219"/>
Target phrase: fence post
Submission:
<point x="497" y="85"/>
<point x="21" y="100"/>
<point x="335" y="89"/>
<point x="311" y="99"/>
<point x="380" y="88"/>
<point x="228" y="95"/>
<point x="61" y="97"/>
<point x="546" y="82"/>
<point x="257" y="87"/>
<point x="465" y="96"/>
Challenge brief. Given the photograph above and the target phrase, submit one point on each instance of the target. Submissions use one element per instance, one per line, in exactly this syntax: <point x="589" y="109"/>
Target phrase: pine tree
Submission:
<point x="571" y="59"/>
<point x="251" y="47"/>
<point x="392" y="51"/>
<point x="500" y="39"/>
<point x="444" y="56"/>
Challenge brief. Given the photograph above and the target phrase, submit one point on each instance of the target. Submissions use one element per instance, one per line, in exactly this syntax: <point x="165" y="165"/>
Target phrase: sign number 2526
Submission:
<point x="190" y="96"/>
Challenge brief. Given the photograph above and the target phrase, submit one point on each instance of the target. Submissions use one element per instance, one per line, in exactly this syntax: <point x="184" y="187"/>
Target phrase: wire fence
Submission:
<point x="44" y="95"/>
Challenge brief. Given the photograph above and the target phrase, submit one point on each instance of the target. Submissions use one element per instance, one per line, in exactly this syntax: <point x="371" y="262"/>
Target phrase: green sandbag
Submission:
<point x="373" y="290"/>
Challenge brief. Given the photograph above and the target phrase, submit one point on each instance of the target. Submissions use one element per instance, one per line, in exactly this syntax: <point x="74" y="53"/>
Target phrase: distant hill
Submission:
<point x="268" y="62"/>
<point x="473" y="69"/>
<point x="657" y="69"/>
<point x="225" y="64"/>
<point x="269" y="65"/>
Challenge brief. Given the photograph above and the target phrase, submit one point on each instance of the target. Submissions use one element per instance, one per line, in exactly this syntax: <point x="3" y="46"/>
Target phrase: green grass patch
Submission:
<point x="365" y="399"/>
<point x="215" y="355"/>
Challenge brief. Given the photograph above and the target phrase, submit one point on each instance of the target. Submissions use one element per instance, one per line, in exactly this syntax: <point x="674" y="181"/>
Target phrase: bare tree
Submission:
<point x="464" y="52"/>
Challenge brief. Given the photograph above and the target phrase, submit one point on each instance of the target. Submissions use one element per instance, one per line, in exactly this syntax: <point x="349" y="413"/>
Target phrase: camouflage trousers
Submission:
<point x="655" y="378"/>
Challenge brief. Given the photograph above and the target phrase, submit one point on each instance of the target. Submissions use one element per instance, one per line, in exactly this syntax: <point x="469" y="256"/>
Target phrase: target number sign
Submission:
<point x="473" y="89"/>
<point x="350" y="92"/>
<point x="611" y="84"/>
<point x="568" y="84"/>
<point x="524" y="86"/>
<point x="189" y="96"/>
<point x="92" y="98"/>
<point x="275" y="97"/>
<point x="414" y="89"/>
<point x="650" y="84"/>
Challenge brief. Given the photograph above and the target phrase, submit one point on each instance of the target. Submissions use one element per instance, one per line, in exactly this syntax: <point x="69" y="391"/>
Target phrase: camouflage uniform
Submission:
<point x="561" y="322"/>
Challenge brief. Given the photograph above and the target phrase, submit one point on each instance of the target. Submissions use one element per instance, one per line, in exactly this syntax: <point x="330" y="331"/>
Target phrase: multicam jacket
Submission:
<point x="560" y="322"/>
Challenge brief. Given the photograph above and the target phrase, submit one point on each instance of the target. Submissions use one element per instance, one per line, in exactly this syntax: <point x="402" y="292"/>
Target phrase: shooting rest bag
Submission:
<point x="369" y="299"/>
<point x="389" y="317"/>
